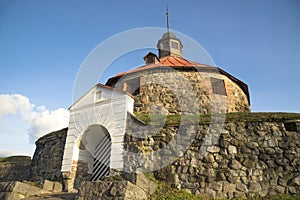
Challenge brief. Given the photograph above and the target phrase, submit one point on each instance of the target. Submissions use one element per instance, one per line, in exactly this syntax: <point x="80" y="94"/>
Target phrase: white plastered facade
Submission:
<point x="99" y="106"/>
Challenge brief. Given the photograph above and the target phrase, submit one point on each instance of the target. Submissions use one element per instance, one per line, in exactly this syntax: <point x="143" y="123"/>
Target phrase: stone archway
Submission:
<point x="94" y="154"/>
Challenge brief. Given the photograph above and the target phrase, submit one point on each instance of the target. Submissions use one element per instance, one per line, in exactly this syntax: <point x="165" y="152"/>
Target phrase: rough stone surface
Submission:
<point x="242" y="163"/>
<point x="254" y="187"/>
<point x="142" y="181"/>
<point x="117" y="187"/>
<point x="52" y="186"/>
<point x="234" y="164"/>
<point x="172" y="92"/>
<point x="247" y="159"/>
<point x="48" y="185"/>
<point x="241" y="187"/>
<point x="48" y="155"/>
<point x="57" y="187"/>
<point x="15" y="190"/>
<point x="15" y="171"/>
<point x="232" y="149"/>
<point x="55" y="196"/>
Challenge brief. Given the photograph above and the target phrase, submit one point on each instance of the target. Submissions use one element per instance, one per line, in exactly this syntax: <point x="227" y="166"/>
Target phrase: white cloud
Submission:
<point x="41" y="120"/>
<point x="15" y="103"/>
<point x="47" y="121"/>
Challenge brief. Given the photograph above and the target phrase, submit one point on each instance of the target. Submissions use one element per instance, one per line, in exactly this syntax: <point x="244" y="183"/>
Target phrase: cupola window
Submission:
<point x="174" y="45"/>
<point x="166" y="45"/>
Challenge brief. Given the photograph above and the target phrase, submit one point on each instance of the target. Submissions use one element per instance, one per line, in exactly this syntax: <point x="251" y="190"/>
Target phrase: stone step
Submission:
<point x="57" y="196"/>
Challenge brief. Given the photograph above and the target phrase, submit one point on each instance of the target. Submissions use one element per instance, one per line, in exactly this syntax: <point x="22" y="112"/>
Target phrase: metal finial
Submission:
<point x="168" y="25"/>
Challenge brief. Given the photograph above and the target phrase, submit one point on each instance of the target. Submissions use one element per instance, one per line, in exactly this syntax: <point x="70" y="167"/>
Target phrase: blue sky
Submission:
<point x="43" y="43"/>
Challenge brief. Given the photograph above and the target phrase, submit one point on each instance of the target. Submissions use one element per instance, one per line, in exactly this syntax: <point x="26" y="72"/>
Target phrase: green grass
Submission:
<point x="166" y="192"/>
<point x="15" y="159"/>
<point x="174" y="120"/>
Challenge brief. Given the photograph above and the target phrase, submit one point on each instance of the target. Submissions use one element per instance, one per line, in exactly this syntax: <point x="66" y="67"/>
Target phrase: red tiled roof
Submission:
<point x="168" y="61"/>
<point x="179" y="62"/>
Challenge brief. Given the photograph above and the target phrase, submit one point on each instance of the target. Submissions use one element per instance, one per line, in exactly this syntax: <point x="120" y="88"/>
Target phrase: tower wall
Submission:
<point x="170" y="92"/>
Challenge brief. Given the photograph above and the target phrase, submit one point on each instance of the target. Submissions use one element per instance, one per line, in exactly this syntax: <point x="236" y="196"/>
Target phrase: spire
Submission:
<point x="168" y="24"/>
<point x="169" y="44"/>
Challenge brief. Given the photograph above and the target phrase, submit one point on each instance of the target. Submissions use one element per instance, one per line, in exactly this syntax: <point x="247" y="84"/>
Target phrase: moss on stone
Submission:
<point x="175" y="120"/>
<point x="165" y="192"/>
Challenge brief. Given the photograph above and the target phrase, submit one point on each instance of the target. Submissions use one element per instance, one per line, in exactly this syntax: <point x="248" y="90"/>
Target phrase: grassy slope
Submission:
<point x="14" y="159"/>
<point x="229" y="117"/>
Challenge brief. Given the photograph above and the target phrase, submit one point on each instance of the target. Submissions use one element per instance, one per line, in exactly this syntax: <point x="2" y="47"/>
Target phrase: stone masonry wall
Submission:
<point x="173" y="92"/>
<point x="15" y="171"/>
<point x="48" y="155"/>
<point x="250" y="158"/>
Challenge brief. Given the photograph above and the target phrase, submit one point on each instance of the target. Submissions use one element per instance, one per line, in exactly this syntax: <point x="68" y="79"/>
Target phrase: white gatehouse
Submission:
<point x="95" y="138"/>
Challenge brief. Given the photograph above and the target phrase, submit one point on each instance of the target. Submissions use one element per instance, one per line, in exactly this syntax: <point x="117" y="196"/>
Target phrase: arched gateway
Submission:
<point x="94" y="154"/>
<point x="95" y="138"/>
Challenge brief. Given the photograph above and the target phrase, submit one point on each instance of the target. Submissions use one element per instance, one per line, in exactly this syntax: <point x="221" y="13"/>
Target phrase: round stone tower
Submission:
<point x="166" y="81"/>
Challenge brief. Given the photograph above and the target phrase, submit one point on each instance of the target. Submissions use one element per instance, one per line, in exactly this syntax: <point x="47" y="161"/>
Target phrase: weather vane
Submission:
<point x="168" y="25"/>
